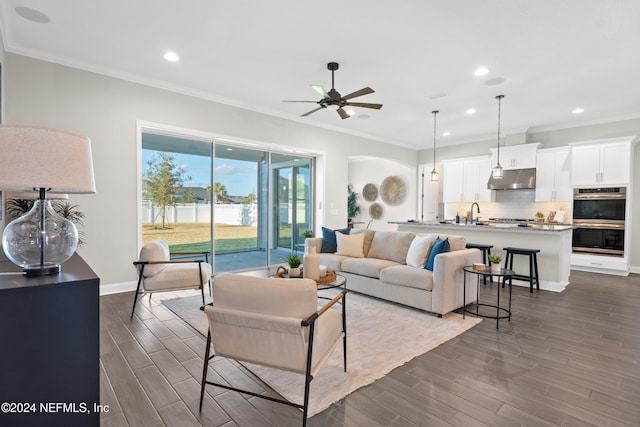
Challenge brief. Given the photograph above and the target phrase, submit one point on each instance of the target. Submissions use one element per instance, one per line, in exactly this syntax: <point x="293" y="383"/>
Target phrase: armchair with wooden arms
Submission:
<point x="157" y="272"/>
<point x="273" y="322"/>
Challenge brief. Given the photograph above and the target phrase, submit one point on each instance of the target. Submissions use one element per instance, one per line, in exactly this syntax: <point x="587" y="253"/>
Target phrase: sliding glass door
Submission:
<point x="241" y="207"/>
<point x="292" y="201"/>
<point x="254" y="204"/>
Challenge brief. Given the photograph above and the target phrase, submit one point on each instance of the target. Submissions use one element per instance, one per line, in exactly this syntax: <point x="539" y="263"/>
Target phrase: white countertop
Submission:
<point x="493" y="227"/>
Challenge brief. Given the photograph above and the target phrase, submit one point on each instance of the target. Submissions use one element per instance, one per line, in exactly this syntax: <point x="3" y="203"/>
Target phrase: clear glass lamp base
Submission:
<point x="40" y="241"/>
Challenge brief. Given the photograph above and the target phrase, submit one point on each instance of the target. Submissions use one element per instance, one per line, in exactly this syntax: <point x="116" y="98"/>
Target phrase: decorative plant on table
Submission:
<point x="353" y="209"/>
<point x="294" y="262"/>
<point x="540" y="216"/>
<point x="308" y="234"/>
<point x="18" y="207"/>
<point x="495" y="261"/>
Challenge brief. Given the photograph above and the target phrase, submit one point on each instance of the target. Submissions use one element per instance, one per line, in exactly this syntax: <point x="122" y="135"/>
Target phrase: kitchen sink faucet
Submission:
<point x="471" y="211"/>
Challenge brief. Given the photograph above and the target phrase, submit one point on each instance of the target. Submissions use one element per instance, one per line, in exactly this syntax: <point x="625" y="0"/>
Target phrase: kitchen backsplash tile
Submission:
<point x="510" y="204"/>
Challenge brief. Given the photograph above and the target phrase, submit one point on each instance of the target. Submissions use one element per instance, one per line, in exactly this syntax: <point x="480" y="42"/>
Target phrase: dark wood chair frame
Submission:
<point x="308" y="322"/>
<point x="140" y="265"/>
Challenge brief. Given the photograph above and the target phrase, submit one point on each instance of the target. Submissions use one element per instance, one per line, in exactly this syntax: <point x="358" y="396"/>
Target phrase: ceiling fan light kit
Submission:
<point x="334" y="101"/>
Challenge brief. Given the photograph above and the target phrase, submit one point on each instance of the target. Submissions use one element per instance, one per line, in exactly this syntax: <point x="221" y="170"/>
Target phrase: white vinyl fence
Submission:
<point x="232" y="214"/>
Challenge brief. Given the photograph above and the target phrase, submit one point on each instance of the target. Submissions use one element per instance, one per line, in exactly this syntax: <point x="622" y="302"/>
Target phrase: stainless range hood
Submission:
<point x="514" y="179"/>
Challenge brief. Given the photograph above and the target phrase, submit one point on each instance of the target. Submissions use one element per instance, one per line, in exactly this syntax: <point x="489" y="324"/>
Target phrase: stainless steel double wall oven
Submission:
<point x="599" y="218"/>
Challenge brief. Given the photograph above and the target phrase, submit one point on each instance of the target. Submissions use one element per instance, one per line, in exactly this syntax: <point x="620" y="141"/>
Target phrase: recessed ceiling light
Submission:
<point x="481" y="71"/>
<point x="363" y="116"/>
<point x="32" y="15"/>
<point x="471" y="111"/>
<point x="577" y="110"/>
<point x="446" y="133"/>
<point x="171" y="56"/>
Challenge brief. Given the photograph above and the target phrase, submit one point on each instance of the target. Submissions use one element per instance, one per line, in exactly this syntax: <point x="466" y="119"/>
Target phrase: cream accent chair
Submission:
<point x="157" y="272"/>
<point x="273" y="322"/>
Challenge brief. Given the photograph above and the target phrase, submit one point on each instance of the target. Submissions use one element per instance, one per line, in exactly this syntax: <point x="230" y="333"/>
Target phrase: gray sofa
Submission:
<point x="390" y="266"/>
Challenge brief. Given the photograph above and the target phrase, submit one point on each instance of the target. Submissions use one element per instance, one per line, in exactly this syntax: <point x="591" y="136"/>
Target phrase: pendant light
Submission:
<point x="434" y="173"/>
<point x="497" y="170"/>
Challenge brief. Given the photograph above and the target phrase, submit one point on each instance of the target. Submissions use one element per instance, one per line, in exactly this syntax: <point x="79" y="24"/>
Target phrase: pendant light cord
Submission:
<point x="499" y="98"/>
<point x="434" y="138"/>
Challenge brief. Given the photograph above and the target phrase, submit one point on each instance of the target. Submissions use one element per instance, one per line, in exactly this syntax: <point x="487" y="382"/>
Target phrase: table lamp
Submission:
<point x="36" y="158"/>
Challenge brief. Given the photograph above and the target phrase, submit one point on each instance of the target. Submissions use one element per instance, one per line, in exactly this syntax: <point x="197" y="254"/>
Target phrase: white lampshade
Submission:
<point x="39" y="157"/>
<point x="36" y="158"/>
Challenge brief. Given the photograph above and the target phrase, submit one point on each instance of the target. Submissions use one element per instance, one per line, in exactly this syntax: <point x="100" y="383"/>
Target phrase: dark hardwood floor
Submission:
<point x="565" y="359"/>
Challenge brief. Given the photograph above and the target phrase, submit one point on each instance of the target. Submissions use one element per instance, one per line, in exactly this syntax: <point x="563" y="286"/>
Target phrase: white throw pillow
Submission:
<point x="350" y="244"/>
<point x="419" y="251"/>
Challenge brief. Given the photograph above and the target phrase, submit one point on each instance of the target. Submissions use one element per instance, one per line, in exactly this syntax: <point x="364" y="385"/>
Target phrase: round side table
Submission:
<point x="501" y="312"/>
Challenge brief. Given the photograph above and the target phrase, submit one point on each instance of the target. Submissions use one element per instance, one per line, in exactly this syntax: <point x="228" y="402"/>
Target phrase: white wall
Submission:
<point x="562" y="137"/>
<point x="107" y="110"/>
<point x="370" y="170"/>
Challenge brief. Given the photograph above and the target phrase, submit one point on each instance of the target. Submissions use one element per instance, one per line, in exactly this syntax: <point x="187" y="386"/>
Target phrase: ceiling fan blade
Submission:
<point x="363" y="91"/>
<point x="320" y="90"/>
<point x="343" y="113"/>
<point x="365" y="105"/>
<point x="311" y="112"/>
<point x="312" y="102"/>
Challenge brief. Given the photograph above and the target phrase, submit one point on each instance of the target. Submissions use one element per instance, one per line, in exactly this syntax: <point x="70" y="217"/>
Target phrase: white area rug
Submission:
<point x="380" y="337"/>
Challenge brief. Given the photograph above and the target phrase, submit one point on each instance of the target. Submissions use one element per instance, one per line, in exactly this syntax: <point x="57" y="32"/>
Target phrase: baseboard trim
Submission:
<point x="635" y="270"/>
<point x="117" y="288"/>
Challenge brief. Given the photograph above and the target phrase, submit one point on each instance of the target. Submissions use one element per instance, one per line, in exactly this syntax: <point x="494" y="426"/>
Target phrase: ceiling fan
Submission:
<point x="333" y="99"/>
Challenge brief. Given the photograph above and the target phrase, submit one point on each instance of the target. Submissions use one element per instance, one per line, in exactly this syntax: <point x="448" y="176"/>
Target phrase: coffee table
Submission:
<point x="270" y="271"/>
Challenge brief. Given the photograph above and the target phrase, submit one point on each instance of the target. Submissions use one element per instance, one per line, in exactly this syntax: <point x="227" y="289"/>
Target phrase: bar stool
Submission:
<point x="486" y="250"/>
<point x="533" y="265"/>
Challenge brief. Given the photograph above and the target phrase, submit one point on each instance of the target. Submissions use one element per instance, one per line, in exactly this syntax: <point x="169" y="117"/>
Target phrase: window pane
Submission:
<point x="176" y="192"/>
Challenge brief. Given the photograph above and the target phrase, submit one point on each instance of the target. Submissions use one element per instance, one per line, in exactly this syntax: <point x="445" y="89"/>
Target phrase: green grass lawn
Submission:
<point x="194" y="236"/>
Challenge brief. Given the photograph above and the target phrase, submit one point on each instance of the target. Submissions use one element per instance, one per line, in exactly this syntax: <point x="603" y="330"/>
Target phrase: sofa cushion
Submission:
<point x="329" y="244"/>
<point x="411" y="277"/>
<point x="368" y="238"/>
<point x="419" y="250"/>
<point x="332" y="261"/>
<point x="350" y="245"/>
<point x="439" y="247"/>
<point x="391" y="245"/>
<point x="370" y="267"/>
<point x="456" y="242"/>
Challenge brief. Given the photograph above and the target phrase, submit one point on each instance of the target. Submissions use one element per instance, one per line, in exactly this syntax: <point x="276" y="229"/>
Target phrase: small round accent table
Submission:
<point x="501" y="312"/>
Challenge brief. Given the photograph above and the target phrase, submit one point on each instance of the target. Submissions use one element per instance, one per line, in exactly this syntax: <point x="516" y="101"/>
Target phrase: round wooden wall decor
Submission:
<point x="376" y="210"/>
<point x="393" y="190"/>
<point x="370" y="192"/>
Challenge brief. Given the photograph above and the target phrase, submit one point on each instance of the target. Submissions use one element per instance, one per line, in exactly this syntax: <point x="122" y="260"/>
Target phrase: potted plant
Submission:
<point x="540" y="216"/>
<point x="294" y="262"/>
<point x="307" y="234"/>
<point x="353" y="209"/>
<point x="495" y="261"/>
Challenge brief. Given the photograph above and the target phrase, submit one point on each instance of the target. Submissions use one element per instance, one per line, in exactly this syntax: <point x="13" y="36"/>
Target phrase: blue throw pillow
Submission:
<point x="329" y="243"/>
<point x="439" y="247"/>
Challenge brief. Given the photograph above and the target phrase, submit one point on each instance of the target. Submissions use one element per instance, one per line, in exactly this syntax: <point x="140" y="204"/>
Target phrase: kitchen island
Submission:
<point x="553" y="240"/>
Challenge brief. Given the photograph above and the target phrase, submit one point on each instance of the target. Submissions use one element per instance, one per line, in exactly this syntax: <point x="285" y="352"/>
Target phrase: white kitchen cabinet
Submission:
<point x="476" y="175"/>
<point x="553" y="175"/>
<point x="604" y="162"/>
<point x="465" y="180"/>
<point x="453" y="182"/>
<point x="516" y="156"/>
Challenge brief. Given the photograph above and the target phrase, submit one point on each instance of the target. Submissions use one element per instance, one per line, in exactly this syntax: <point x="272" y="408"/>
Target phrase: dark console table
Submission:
<point x="50" y="346"/>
